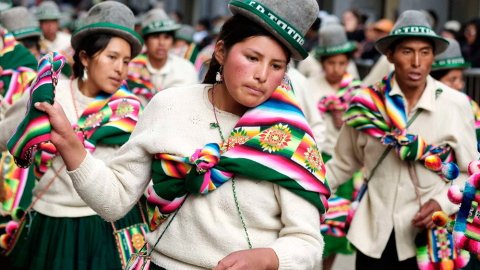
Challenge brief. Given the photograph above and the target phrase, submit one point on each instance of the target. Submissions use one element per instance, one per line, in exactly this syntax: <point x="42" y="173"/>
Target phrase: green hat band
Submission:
<point x="414" y="30"/>
<point x="26" y="30"/>
<point x="341" y="48"/>
<point x="160" y="26"/>
<point x="109" y="25"/>
<point x="282" y="27"/>
<point x="184" y="37"/>
<point x="450" y="62"/>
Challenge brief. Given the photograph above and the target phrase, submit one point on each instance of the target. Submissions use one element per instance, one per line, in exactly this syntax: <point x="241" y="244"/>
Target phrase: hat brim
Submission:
<point x="462" y="66"/>
<point x="384" y="43"/>
<point x="298" y="54"/>
<point x="25" y="34"/>
<point x="161" y="30"/>
<point x="339" y="49"/>
<point x="108" y="28"/>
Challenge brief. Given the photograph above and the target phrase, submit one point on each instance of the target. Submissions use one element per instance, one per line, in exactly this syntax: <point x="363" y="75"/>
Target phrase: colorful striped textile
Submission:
<point x="271" y="142"/>
<point x="139" y="78"/>
<point x="35" y="127"/>
<point x="476" y="116"/>
<point x="187" y="52"/>
<point x="18" y="66"/>
<point x="130" y="240"/>
<point x="436" y="250"/>
<point x="375" y="112"/>
<point x="109" y="119"/>
<point x="340" y="100"/>
<point x="334" y="224"/>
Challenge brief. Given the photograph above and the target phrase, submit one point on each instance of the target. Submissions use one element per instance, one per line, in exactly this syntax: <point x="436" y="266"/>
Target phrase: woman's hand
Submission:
<point x="423" y="220"/>
<point x="62" y="136"/>
<point x="258" y="258"/>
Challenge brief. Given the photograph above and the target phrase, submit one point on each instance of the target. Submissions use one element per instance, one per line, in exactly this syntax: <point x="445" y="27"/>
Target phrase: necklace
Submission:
<point x="73" y="98"/>
<point x="216" y="124"/>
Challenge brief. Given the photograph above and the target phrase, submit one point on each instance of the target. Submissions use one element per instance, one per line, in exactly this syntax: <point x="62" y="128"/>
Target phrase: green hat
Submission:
<point x="48" y="10"/>
<point x="20" y="23"/>
<point x="411" y="23"/>
<point x="287" y="20"/>
<point x="451" y="58"/>
<point x="110" y="17"/>
<point x="157" y="21"/>
<point x="333" y="40"/>
<point x="5" y="4"/>
<point x="186" y="33"/>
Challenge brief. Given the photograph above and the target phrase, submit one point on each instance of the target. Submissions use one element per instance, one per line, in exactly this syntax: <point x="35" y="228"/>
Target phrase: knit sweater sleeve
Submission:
<point x="300" y="243"/>
<point x="112" y="191"/>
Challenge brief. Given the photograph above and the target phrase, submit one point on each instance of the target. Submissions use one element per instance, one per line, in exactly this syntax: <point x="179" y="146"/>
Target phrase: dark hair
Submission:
<point x="438" y="74"/>
<point x="316" y="24"/>
<point x="168" y="33"/>
<point x="395" y="43"/>
<point x="237" y="29"/>
<point x="91" y="44"/>
<point x="325" y="57"/>
<point x="30" y="42"/>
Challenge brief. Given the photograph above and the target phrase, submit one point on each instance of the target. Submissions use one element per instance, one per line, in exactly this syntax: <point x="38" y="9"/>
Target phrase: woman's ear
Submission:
<point x="84" y="59"/>
<point x="220" y="52"/>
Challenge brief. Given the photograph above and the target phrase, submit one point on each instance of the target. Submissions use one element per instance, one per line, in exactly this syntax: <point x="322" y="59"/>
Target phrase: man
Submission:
<point x="158" y="69"/>
<point x="53" y="40"/>
<point x="388" y="217"/>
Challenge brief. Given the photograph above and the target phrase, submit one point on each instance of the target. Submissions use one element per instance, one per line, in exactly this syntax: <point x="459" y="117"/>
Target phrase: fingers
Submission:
<point x="225" y="263"/>
<point x="44" y="107"/>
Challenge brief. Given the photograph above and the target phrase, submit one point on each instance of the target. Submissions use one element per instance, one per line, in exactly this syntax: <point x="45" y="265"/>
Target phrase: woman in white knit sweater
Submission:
<point x="62" y="231"/>
<point x="246" y="223"/>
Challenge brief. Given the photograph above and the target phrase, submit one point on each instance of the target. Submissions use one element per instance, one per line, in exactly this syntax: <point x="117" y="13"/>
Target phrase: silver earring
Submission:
<point x="219" y="77"/>
<point x="85" y="76"/>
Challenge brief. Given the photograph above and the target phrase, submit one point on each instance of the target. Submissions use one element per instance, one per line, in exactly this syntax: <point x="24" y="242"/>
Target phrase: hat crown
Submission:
<point x="453" y="51"/>
<point x="185" y="32"/>
<point x="17" y="18"/>
<point x="332" y="35"/>
<point x="48" y="10"/>
<point x="111" y="12"/>
<point x="410" y="18"/>
<point x="156" y="15"/>
<point x="287" y="20"/>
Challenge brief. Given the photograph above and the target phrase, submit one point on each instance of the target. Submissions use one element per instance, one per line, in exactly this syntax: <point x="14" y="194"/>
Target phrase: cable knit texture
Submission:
<point x="207" y="228"/>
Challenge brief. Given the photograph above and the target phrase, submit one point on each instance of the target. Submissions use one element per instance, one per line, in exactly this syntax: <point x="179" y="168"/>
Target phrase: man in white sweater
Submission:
<point x="389" y="216"/>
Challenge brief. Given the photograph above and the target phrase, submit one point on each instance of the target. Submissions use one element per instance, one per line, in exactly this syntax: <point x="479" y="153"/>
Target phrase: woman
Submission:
<point x="333" y="91"/>
<point x="244" y="223"/>
<point x="63" y="232"/>
<point x="448" y="68"/>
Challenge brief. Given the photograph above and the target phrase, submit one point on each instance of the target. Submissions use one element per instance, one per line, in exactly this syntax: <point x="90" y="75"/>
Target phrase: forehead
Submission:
<point x="415" y="42"/>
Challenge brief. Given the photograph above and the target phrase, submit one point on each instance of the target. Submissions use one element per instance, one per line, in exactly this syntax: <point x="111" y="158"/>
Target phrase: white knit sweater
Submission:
<point x="60" y="199"/>
<point x="207" y="228"/>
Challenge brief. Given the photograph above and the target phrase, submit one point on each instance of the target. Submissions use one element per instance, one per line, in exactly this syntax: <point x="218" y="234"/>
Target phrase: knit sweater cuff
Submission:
<point x="81" y="175"/>
<point x="284" y="255"/>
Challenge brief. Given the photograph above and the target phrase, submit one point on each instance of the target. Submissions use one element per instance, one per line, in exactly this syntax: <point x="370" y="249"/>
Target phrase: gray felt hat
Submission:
<point x="110" y="17"/>
<point x="157" y="21"/>
<point x="287" y="20"/>
<point x="20" y="23"/>
<point x="411" y="23"/>
<point x="451" y="58"/>
<point x="185" y="32"/>
<point x="48" y="10"/>
<point x="333" y="40"/>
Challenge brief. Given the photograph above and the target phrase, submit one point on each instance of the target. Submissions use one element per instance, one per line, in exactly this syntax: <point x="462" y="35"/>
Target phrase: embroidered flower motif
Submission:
<point x="442" y="238"/>
<point x="444" y="253"/>
<point x="138" y="241"/>
<point x="275" y="138"/>
<point x="238" y="137"/>
<point x="94" y="120"/>
<point x="123" y="109"/>
<point x="312" y="159"/>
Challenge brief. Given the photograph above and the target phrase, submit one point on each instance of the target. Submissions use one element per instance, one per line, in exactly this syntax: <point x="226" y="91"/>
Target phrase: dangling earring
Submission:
<point x="219" y="77"/>
<point x="85" y="76"/>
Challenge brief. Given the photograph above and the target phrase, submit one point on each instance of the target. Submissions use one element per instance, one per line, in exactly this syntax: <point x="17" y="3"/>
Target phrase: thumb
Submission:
<point x="46" y="107"/>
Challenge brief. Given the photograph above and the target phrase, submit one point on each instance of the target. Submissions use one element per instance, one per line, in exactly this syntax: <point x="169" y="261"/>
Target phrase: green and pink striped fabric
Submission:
<point x="271" y="142"/>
